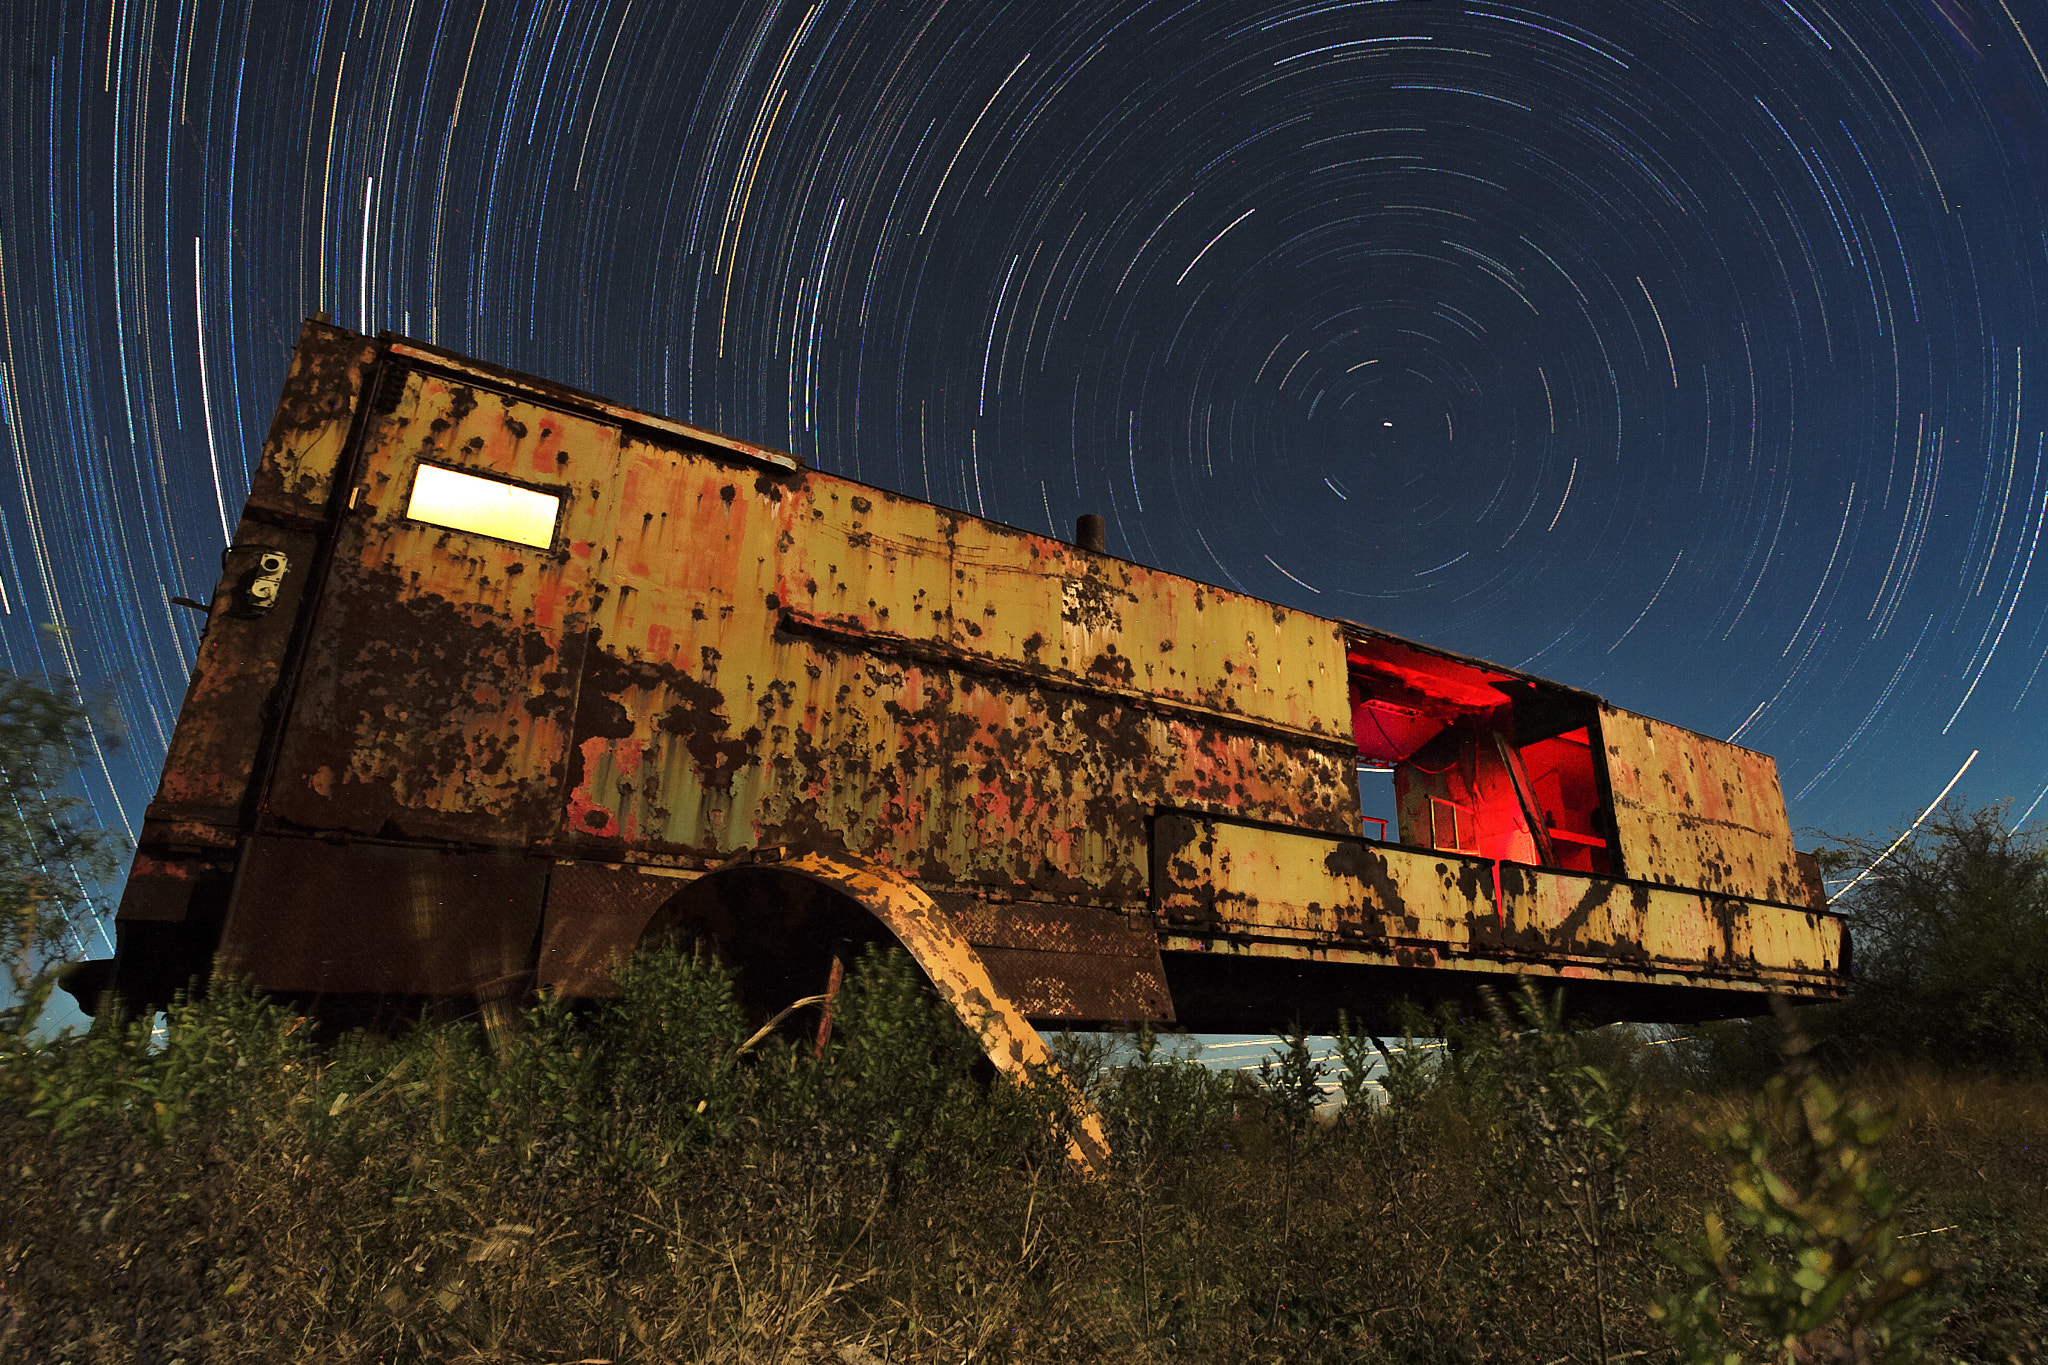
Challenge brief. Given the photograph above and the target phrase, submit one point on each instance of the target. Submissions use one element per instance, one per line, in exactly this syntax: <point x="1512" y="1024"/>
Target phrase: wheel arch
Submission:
<point x="727" y="906"/>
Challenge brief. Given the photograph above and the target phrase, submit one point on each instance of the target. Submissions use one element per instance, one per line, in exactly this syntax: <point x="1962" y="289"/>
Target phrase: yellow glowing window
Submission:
<point x="487" y="507"/>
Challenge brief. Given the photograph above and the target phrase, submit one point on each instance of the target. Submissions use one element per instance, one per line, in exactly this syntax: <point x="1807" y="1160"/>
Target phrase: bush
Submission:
<point x="632" y="1180"/>
<point x="1951" y="945"/>
<point x="1815" y="1268"/>
<point x="51" y="855"/>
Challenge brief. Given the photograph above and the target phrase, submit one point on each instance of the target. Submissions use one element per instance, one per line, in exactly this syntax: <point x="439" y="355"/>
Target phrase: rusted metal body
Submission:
<point x="418" y="760"/>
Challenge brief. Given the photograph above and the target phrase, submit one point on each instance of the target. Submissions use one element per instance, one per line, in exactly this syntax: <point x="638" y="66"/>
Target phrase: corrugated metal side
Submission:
<point x="1698" y="812"/>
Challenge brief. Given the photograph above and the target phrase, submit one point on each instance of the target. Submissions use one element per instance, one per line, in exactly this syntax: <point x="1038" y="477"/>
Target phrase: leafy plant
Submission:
<point x="1815" y="1269"/>
<point x="1950" y="933"/>
<point x="51" y="854"/>
<point x="1291" y="1083"/>
<point x="1571" y="1120"/>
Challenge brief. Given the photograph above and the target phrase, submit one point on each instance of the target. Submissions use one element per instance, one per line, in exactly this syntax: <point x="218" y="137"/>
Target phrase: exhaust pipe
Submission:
<point x="1090" y="534"/>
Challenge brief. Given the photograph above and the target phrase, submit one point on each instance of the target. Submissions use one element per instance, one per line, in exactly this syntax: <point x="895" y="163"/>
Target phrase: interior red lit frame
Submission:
<point x="1485" y="762"/>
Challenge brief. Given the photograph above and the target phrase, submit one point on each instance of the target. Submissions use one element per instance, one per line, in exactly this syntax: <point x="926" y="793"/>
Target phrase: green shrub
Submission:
<point x="430" y="1197"/>
<point x="1950" y="940"/>
<point x="1814" y="1268"/>
<point x="204" y="1067"/>
<point x="668" y="1045"/>
<point x="52" y="857"/>
<point x="902" y="1091"/>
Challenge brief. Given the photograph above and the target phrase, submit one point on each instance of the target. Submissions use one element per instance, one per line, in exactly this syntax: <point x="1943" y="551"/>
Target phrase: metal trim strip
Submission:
<point x="802" y="623"/>
<point x="556" y="396"/>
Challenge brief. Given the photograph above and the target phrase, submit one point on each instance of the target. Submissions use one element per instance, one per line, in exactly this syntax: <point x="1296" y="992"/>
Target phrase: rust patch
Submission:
<point x="315" y="413"/>
<point x="1595" y="897"/>
<point x="428" y="720"/>
<point x="1092" y="604"/>
<point x="1369" y="868"/>
<point x="1112" y="668"/>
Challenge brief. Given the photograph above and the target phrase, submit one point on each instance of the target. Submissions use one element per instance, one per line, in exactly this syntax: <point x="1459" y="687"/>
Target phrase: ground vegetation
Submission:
<point x="634" y="1182"/>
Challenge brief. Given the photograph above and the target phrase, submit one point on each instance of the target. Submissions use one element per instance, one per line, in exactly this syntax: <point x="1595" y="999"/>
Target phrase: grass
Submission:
<point x="623" y="1185"/>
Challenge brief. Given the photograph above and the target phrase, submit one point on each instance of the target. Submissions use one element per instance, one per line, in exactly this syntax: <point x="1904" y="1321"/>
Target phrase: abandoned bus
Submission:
<point x="501" y="680"/>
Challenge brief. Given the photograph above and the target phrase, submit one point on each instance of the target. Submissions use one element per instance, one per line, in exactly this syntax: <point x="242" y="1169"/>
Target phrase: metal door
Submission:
<point x="439" y="680"/>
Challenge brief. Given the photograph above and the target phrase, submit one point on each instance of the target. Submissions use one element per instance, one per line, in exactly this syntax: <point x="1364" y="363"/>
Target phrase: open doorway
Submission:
<point x="1474" y="759"/>
<point x="1377" y="808"/>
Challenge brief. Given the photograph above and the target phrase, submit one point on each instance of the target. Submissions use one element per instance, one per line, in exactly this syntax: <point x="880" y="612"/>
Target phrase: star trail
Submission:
<point x="1691" y="356"/>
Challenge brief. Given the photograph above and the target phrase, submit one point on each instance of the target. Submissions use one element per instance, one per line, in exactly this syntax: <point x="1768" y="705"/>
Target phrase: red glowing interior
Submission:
<point x="1486" y="762"/>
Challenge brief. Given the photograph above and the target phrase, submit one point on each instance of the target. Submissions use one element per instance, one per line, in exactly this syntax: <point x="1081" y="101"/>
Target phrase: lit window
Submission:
<point x="487" y="507"/>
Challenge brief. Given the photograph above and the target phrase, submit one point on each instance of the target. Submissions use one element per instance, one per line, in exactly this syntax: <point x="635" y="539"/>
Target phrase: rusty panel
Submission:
<point x="666" y="745"/>
<point x="1250" y="775"/>
<point x="377" y="919"/>
<point x="796" y="660"/>
<point x="864" y="559"/>
<point x="1124" y="627"/>
<point x="592" y="921"/>
<point x="775" y="741"/>
<point x="441" y="673"/>
<point x="1204" y="646"/>
<point x="1007" y="590"/>
<point x="1220" y="877"/>
<point x="703" y="728"/>
<point x="1562" y="915"/>
<point x="1795" y="940"/>
<point x="560" y="396"/>
<point x="1725" y="934"/>
<point x="859" y="751"/>
<point x="1698" y="812"/>
<point x="1067" y="964"/>
<point x="309" y="433"/>
<point x="213" y="751"/>
<point x="1048" y="790"/>
<point x="1052" y="790"/>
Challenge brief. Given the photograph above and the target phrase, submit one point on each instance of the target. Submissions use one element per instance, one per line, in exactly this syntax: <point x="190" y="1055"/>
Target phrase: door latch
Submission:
<point x="259" y="587"/>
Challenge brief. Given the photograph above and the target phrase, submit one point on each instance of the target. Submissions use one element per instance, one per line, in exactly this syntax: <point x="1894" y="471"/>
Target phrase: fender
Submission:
<point x="956" y="972"/>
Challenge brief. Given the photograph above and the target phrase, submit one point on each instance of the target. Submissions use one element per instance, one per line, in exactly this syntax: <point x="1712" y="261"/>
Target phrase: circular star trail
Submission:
<point x="1692" y="355"/>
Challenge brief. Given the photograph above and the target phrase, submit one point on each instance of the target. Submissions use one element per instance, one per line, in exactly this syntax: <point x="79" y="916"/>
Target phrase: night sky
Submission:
<point x="1688" y="355"/>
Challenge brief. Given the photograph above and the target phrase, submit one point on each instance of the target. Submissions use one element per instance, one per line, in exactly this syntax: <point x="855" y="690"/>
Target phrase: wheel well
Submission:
<point x="777" y="931"/>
